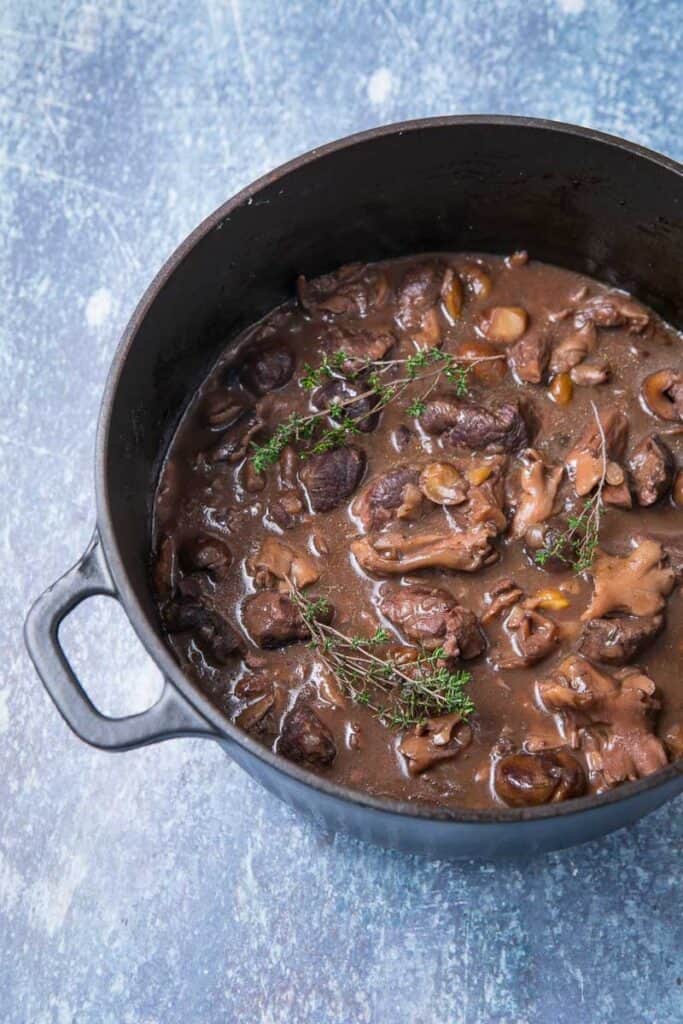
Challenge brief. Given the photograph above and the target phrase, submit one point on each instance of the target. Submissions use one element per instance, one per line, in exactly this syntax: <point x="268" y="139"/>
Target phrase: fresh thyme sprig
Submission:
<point x="582" y="535"/>
<point x="400" y="694"/>
<point x="384" y="380"/>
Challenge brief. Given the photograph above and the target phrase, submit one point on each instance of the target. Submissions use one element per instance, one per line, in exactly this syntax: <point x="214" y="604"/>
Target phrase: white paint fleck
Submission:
<point x="4" y="711"/>
<point x="49" y="901"/>
<point x="98" y="307"/>
<point x="11" y="884"/>
<point x="571" y="6"/>
<point x="380" y="86"/>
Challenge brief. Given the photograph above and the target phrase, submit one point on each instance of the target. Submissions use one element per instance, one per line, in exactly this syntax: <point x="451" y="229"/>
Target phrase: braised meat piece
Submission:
<point x="432" y="618"/>
<point x="619" y="640"/>
<point x="355" y="290"/>
<point x="573" y="349"/>
<point x="305" y="739"/>
<point x="206" y="554"/>
<point x="652" y="470"/>
<point x="530" y="357"/>
<point x="267" y="369"/>
<point x="610" y="717"/>
<point x="213" y="634"/>
<point x="419" y="291"/>
<point x="530" y="779"/>
<point x="394" y="554"/>
<point x="468" y="425"/>
<point x="272" y="619"/>
<point x="534" y="636"/>
<point x="332" y="477"/>
<point x="360" y="345"/>
<point x="608" y="310"/>
<point x="393" y="495"/>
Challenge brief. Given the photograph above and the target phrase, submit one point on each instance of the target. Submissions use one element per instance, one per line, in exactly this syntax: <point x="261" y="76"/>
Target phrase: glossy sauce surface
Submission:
<point x="211" y="494"/>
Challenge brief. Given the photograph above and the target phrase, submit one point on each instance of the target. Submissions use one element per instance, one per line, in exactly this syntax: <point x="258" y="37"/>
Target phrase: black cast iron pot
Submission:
<point x="574" y="197"/>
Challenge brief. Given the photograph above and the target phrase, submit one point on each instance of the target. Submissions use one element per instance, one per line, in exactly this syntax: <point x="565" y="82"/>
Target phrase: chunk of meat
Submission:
<point x="213" y="634"/>
<point x="637" y="584"/>
<point x="359" y="344"/>
<point x="306" y="739"/>
<point x="436" y="740"/>
<point x="475" y="426"/>
<point x="534" y="636"/>
<point x="573" y="349"/>
<point x="393" y="495"/>
<point x="267" y="369"/>
<point x="331" y="477"/>
<point x="662" y="394"/>
<point x="354" y="291"/>
<point x="529" y="358"/>
<point x="391" y="554"/>
<point x="206" y="554"/>
<point x="338" y="390"/>
<point x="652" y="470"/>
<point x="276" y="560"/>
<point x="610" y="717"/>
<point x="272" y="619"/>
<point x="419" y="291"/>
<point x="485" y="497"/>
<point x="584" y="461"/>
<point x="234" y="442"/>
<point x="619" y="640"/>
<point x="610" y="309"/>
<point x="432" y="618"/>
<point x="260" y="703"/>
<point x="538" y="486"/>
<point x="530" y="779"/>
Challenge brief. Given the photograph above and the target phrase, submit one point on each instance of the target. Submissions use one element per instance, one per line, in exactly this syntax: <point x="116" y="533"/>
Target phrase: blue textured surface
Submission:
<point x="163" y="886"/>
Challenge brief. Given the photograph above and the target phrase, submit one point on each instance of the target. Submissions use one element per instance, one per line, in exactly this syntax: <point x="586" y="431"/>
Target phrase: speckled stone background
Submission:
<point x="163" y="886"/>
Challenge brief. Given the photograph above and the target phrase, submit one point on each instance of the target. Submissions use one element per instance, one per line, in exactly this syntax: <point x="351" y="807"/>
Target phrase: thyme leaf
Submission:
<point x="386" y="381"/>
<point x="401" y="694"/>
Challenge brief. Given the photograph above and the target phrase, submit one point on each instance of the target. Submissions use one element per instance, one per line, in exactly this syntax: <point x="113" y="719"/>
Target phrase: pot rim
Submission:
<point x="158" y="650"/>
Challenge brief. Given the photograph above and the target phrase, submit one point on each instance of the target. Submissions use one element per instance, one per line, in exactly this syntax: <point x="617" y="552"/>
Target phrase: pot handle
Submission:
<point x="172" y="715"/>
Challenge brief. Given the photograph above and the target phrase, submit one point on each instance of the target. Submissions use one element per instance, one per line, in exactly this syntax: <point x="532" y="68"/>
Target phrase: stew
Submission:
<point x="420" y="531"/>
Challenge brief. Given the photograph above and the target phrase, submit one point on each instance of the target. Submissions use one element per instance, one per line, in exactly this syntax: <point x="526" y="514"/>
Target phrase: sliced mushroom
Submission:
<point x="438" y="739"/>
<point x="662" y="393"/>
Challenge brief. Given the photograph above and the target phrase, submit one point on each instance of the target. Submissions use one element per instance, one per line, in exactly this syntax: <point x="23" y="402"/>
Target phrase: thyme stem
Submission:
<point x="400" y="696"/>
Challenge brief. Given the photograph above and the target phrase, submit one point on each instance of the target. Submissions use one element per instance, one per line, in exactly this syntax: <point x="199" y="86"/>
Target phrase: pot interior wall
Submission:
<point x="569" y="199"/>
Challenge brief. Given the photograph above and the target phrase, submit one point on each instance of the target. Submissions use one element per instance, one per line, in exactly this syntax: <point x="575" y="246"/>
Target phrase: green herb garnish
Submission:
<point x="401" y="694"/>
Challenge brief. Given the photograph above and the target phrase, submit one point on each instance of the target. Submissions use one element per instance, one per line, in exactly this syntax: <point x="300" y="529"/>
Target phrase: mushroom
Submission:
<point x="504" y="324"/>
<point x="526" y="780"/>
<point x="662" y="394"/>
<point x="441" y="483"/>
